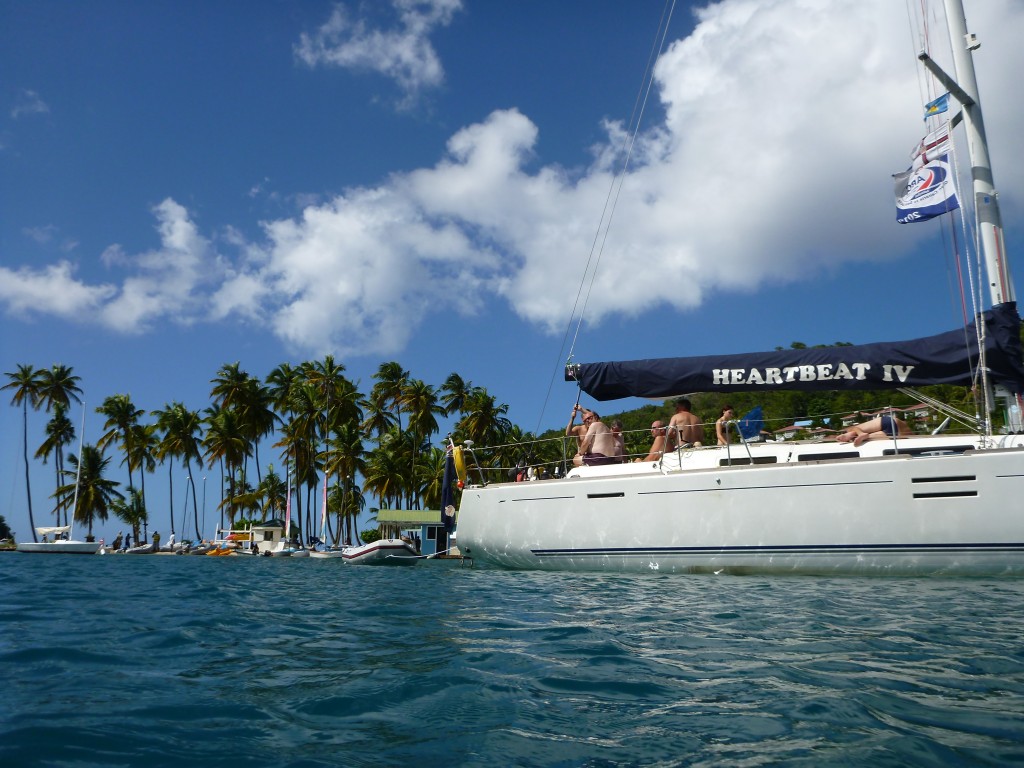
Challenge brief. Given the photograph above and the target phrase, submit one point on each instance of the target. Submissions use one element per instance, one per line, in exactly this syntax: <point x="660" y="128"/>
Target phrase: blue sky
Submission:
<point x="184" y="185"/>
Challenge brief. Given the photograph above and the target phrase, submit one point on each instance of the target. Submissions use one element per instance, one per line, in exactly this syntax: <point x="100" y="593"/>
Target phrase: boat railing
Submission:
<point x="734" y="424"/>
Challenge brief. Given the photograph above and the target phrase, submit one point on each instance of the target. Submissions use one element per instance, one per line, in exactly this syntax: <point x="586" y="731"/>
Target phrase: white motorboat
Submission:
<point x="61" y="543"/>
<point x="903" y="504"/>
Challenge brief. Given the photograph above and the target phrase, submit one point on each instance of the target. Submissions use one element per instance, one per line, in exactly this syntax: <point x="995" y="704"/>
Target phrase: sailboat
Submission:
<point x="903" y="504"/>
<point x="63" y="541"/>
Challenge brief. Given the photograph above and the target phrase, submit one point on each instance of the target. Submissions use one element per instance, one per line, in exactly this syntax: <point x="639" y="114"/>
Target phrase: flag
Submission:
<point x="925" y="192"/>
<point x="936" y="107"/>
<point x="930" y="147"/>
<point x="750" y="426"/>
<point x="447" y="492"/>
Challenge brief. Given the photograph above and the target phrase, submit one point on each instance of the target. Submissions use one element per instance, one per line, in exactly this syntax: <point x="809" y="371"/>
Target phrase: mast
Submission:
<point x="986" y="203"/>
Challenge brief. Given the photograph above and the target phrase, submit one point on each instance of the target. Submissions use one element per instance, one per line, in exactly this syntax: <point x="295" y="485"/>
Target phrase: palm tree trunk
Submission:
<point x="28" y="487"/>
<point x="170" y="495"/>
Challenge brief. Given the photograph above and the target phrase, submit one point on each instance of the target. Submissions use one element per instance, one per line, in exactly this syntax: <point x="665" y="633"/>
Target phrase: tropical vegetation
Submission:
<point x="381" y="446"/>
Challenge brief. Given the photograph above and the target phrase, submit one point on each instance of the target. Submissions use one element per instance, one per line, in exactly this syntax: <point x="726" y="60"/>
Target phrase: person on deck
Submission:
<point x="878" y="428"/>
<point x="598" y="446"/>
<point x="658" y="446"/>
<point x="721" y="427"/>
<point x="579" y="431"/>
<point x="684" y="427"/>
<point x="620" y="441"/>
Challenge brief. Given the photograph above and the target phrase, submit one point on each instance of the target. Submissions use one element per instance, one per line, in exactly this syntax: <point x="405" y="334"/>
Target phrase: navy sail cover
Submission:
<point x="948" y="358"/>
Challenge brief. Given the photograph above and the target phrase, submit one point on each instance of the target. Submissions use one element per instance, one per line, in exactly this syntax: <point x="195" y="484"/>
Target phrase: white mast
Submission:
<point x="986" y="204"/>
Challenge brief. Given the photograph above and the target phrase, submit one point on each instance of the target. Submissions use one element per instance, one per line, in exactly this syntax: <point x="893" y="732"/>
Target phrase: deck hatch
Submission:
<point x="945" y="495"/>
<point x="615" y="495"/>
<point x="947" y="479"/>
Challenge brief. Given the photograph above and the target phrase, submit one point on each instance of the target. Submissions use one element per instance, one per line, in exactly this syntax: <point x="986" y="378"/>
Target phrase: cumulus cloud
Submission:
<point x="782" y="123"/>
<point x="404" y="53"/>
<point x="52" y="290"/>
<point x="29" y="103"/>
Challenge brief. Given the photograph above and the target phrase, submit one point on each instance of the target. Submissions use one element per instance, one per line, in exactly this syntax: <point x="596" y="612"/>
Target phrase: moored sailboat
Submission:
<point x="63" y="541"/>
<point x="906" y="504"/>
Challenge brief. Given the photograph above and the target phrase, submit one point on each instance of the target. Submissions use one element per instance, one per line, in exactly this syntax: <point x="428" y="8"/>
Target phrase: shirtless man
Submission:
<point x="598" y="446"/>
<point x="685" y="425"/>
<point x="658" y="446"/>
<point x="578" y="431"/>
<point x="878" y="428"/>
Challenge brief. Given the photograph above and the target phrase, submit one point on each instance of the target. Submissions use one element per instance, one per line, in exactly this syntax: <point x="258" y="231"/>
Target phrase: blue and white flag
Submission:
<point x="926" y="192"/>
<point x="936" y="107"/>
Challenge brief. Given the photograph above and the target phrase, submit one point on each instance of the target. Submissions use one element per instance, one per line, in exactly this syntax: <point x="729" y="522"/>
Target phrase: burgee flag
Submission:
<point x="936" y="107"/>
<point x="926" y="192"/>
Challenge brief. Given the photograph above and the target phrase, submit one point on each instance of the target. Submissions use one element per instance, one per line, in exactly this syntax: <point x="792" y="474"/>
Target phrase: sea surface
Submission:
<point x="200" y="661"/>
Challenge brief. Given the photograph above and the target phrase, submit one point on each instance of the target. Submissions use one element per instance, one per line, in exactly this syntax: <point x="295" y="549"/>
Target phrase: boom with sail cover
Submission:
<point x="948" y="358"/>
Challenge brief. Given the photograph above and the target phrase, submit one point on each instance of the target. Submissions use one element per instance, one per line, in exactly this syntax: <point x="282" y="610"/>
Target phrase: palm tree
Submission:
<point x="224" y="443"/>
<point x="255" y="406"/>
<point x="392" y="380"/>
<point x="122" y="417"/>
<point x="229" y="385"/>
<point x="455" y="392"/>
<point x="387" y="468"/>
<point x="380" y="419"/>
<point x="59" y="433"/>
<point x="25" y="382"/>
<point x="96" y="494"/>
<point x="181" y="431"/>
<point x="142" y="457"/>
<point x="346" y="459"/>
<point x="132" y="512"/>
<point x="484" y="421"/>
<point x="431" y="477"/>
<point x="420" y="399"/>
<point x="58" y="386"/>
<point x="272" y="492"/>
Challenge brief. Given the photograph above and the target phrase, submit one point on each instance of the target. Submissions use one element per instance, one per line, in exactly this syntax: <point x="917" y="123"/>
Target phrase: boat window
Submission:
<point x="742" y="461"/>
<point x="946" y="450"/>
<point x="828" y="456"/>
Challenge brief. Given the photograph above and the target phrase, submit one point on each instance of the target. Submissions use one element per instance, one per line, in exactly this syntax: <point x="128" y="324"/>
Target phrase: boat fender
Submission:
<point x="460" y="465"/>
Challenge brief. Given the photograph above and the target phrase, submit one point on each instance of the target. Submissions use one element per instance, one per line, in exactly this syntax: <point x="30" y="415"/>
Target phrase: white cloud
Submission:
<point x="29" y="103"/>
<point x="52" y="290"/>
<point x="164" y="282"/>
<point x="404" y="54"/>
<point x="783" y="121"/>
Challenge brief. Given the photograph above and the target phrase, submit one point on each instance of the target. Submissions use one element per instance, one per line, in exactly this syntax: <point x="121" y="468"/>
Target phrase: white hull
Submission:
<point x="331" y="554"/>
<point x="382" y="552"/>
<point x="959" y="513"/>
<point x="61" y="547"/>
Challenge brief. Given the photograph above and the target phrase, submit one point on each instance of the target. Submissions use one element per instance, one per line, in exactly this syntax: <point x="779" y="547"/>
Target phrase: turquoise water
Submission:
<point x="222" y="661"/>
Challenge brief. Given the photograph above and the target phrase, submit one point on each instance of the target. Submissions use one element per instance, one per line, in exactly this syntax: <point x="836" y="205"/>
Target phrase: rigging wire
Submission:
<point x="951" y="248"/>
<point x="604" y="222"/>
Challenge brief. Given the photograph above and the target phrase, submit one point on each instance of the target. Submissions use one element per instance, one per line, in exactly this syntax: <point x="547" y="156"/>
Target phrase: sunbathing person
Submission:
<point x="878" y="428"/>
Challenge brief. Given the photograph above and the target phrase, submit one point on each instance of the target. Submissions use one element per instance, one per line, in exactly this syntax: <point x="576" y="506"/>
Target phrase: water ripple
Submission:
<point x="216" y="661"/>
